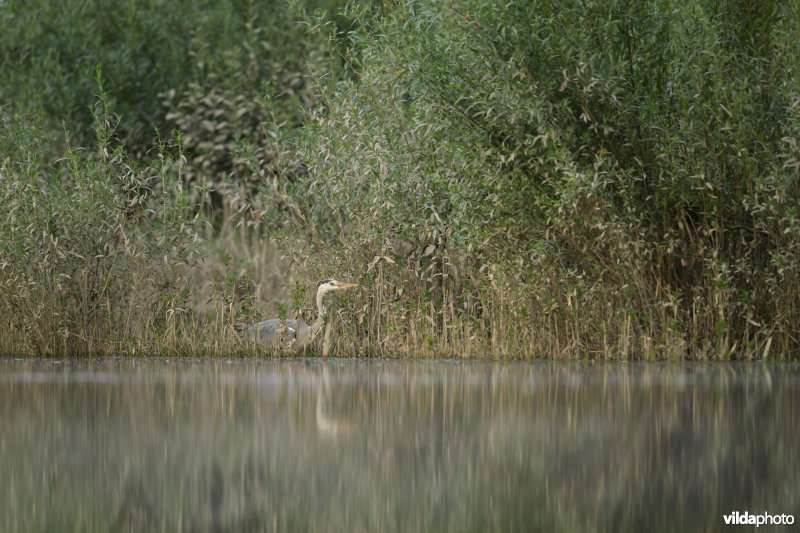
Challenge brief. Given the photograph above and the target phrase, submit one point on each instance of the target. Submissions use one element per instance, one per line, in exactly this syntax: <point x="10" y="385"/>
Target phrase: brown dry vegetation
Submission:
<point x="612" y="181"/>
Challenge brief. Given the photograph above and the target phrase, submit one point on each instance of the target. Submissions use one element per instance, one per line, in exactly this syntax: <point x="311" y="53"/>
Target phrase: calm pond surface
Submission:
<point x="359" y="445"/>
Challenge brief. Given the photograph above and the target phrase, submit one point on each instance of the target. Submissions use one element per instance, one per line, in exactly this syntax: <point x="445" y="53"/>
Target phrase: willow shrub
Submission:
<point x="615" y="179"/>
<point x="154" y="55"/>
<point x="93" y="246"/>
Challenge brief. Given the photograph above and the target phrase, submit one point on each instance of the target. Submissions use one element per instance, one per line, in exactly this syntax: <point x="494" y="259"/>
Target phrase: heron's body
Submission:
<point x="281" y="332"/>
<point x="275" y="333"/>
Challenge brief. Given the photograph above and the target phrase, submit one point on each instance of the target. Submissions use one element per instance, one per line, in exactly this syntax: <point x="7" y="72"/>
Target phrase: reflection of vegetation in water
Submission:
<point x="209" y="445"/>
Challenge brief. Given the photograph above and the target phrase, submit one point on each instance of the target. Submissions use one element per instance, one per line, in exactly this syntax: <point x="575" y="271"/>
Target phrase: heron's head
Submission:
<point x="327" y="285"/>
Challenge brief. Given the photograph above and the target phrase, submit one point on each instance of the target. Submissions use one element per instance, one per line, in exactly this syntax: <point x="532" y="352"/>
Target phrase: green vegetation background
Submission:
<point x="609" y="179"/>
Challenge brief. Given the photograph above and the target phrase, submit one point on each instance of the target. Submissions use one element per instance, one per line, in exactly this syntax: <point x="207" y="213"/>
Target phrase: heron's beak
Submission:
<point x="346" y="285"/>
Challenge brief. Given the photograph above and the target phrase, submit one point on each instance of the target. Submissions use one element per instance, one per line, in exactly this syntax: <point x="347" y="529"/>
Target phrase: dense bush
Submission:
<point x="616" y="178"/>
<point x="93" y="246"/>
<point x="183" y="108"/>
<point x="604" y="179"/>
<point x="156" y="57"/>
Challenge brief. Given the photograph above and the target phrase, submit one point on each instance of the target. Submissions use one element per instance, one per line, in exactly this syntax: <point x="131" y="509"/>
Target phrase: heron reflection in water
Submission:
<point x="296" y="334"/>
<point x="327" y="424"/>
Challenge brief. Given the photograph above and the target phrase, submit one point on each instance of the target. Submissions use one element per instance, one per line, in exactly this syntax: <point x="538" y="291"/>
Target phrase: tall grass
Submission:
<point x="605" y="180"/>
<point x="91" y="242"/>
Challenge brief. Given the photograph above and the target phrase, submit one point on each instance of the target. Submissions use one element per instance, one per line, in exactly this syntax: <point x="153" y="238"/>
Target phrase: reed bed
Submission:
<point x="504" y="181"/>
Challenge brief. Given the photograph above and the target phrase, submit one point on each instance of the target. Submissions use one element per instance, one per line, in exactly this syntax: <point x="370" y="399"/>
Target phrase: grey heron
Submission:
<point x="296" y="333"/>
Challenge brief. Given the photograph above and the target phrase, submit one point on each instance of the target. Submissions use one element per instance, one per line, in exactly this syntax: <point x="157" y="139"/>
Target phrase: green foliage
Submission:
<point x="607" y="179"/>
<point x="92" y="245"/>
<point x="147" y="50"/>
<point x="605" y="156"/>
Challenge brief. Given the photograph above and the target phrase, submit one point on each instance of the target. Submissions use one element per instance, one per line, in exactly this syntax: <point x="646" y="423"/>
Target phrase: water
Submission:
<point x="344" y="445"/>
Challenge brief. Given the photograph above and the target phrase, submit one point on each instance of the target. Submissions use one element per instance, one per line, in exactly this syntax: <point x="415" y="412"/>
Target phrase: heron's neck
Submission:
<point x="320" y="313"/>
